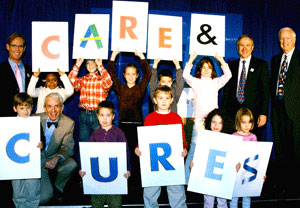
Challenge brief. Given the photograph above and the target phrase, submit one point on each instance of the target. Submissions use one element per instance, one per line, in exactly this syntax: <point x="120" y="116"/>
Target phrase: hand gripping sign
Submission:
<point x="20" y="156"/>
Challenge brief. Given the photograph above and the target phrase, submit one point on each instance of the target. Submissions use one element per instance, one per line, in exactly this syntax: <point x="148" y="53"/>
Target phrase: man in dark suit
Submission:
<point x="285" y="114"/>
<point x="256" y="85"/>
<point x="9" y="85"/>
<point x="16" y="46"/>
<point x="59" y="147"/>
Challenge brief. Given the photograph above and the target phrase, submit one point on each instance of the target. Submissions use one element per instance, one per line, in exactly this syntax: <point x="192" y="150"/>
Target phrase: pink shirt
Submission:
<point x="205" y="90"/>
<point x="250" y="138"/>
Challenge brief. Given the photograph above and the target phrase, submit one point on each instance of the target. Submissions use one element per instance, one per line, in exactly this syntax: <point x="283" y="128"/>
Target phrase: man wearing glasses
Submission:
<point x="14" y="74"/>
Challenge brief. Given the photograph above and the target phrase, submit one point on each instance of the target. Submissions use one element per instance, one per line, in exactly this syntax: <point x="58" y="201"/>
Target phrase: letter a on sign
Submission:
<point x="129" y="26"/>
<point x="50" y="46"/>
<point x="91" y="34"/>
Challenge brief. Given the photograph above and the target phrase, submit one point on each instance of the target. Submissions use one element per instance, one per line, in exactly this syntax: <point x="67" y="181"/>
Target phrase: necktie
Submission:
<point x="240" y="94"/>
<point x="281" y="78"/>
<point x="52" y="123"/>
<point x="19" y="78"/>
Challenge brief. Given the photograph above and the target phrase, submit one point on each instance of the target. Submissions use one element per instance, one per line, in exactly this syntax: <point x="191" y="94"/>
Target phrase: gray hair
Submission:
<point x="286" y="28"/>
<point x="54" y="95"/>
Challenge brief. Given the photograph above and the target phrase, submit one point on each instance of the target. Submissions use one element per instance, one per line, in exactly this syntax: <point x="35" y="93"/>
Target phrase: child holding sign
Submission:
<point x="26" y="192"/>
<point x="215" y="121"/>
<point x="51" y="86"/>
<point x="130" y="97"/>
<point x="244" y="122"/>
<point x="165" y="77"/>
<point x="163" y="98"/>
<point x="206" y="86"/>
<point x="93" y="89"/>
<point x="107" y="133"/>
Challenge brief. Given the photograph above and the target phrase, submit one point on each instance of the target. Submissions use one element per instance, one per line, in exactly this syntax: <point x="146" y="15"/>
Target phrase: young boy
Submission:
<point x="163" y="99"/>
<point x="108" y="133"/>
<point x="93" y="89"/>
<point x="166" y="78"/>
<point x="26" y="192"/>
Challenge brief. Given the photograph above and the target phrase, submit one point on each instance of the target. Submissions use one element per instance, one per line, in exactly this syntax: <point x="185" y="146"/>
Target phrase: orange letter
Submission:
<point x="45" y="44"/>
<point x="124" y="28"/>
<point x="163" y="37"/>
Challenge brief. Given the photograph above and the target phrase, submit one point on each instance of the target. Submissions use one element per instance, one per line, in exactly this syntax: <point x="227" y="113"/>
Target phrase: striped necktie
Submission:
<point x="240" y="94"/>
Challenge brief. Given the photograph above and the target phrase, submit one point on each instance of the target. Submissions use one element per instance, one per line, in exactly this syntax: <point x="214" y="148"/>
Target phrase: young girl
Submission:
<point x="130" y="97"/>
<point x="215" y="121"/>
<point x="51" y="86"/>
<point x="93" y="89"/>
<point x="244" y="122"/>
<point x="206" y="86"/>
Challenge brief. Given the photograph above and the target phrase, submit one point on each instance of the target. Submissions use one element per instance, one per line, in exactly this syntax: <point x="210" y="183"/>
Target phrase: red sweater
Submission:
<point x="160" y="119"/>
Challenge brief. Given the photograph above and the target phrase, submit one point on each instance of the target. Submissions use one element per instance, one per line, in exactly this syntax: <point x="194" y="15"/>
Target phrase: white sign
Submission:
<point x="161" y="160"/>
<point x="164" y="37"/>
<point x="105" y="164"/>
<point x="50" y="46"/>
<point x="20" y="156"/>
<point x="215" y="163"/>
<point x="91" y="36"/>
<point x="207" y="35"/>
<point x="254" y="158"/>
<point x="185" y="105"/>
<point x="129" y="26"/>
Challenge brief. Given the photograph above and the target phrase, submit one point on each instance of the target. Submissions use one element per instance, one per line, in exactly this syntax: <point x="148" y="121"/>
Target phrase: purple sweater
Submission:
<point x="114" y="134"/>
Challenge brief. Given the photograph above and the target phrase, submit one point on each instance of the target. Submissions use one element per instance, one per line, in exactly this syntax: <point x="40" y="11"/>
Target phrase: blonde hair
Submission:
<point x="243" y="112"/>
<point x="164" y="89"/>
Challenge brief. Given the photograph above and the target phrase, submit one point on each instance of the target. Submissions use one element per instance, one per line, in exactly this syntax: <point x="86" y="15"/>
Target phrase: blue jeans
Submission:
<point x="26" y="192"/>
<point x="209" y="202"/>
<point x="246" y="202"/>
<point x="176" y="195"/>
<point x="88" y="123"/>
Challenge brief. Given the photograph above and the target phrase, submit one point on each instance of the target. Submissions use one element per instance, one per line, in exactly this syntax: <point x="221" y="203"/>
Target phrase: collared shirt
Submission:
<point x="114" y="134"/>
<point x="21" y="67"/>
<point x="49" y="132"/>
<point x="93" y="87"/>
<point x="241" y="67"/>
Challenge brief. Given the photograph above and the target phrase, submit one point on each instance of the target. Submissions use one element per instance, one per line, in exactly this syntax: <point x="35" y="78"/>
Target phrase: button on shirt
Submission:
<point x="21" y="67"/>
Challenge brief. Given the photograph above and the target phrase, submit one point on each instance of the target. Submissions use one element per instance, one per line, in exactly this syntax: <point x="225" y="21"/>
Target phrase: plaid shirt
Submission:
<point x="93" y="87"/>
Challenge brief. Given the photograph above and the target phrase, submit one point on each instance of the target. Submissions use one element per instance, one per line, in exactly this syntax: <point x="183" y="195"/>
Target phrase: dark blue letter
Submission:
<point x="162" y="159"/>
<point x="250" y="169"/>
<point x="113" y="168"/>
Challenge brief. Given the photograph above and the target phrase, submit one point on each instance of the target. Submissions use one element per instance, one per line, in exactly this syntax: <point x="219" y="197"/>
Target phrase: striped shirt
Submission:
<point x="93" y="87"/>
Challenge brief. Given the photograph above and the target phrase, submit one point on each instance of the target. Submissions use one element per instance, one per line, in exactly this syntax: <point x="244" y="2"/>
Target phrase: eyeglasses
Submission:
<point x="17" y="46"/>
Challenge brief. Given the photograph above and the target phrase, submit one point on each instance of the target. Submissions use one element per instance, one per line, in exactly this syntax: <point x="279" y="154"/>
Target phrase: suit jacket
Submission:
<point x="256" y="88"/>
<point x="291" y="87"/>
<point x="62" y="142"/>
<point x="9" y="87"/>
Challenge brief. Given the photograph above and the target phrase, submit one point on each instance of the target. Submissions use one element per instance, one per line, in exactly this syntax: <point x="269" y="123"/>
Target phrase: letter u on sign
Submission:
<point x="113" y="169"/>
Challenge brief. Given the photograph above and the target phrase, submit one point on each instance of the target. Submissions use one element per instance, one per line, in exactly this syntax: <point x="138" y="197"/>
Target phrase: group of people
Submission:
<point x="247" y="89"/>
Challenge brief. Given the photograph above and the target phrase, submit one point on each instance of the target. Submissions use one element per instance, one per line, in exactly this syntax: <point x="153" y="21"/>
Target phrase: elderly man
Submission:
<point x="249" y="85"/>
<point x="285" y="102"/>
<point x="56" y="157"/>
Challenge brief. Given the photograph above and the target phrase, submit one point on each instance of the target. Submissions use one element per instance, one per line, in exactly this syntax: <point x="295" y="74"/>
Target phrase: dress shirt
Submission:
<point x="49" y="132"/>
<point x="21" y="68"/>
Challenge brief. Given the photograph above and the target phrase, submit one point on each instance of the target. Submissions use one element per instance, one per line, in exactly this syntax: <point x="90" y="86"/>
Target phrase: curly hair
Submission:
<point x="222" y="114"/>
